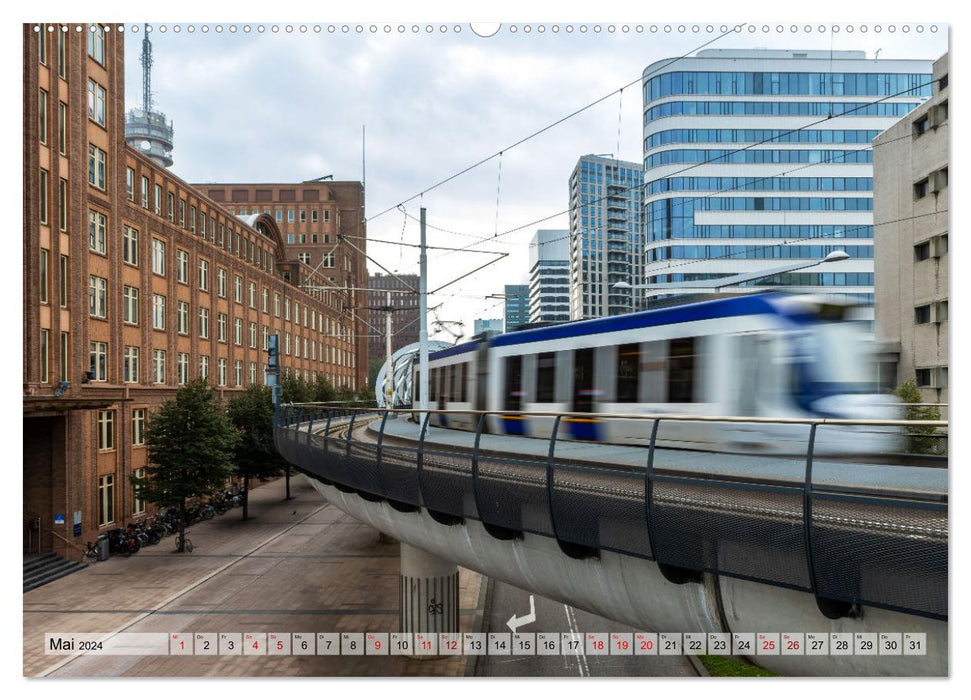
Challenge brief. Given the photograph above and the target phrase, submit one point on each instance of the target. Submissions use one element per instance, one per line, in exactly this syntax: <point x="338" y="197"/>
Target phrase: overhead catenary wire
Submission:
<point x="735" y="29"/>
<point x="728" y="153"/>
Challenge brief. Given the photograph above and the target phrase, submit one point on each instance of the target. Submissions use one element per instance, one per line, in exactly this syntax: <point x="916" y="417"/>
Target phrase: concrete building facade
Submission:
<point x="515" y="306"/>
<point x="549" y="276"/>
<point x="758" y="158"/>
<point x="606" y="236"/>
<point x="134" y="282"/>
<point x="911" y="261"/>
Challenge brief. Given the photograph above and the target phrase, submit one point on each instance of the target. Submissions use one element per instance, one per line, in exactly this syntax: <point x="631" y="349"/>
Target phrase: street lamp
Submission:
<point x="721" y="282"/>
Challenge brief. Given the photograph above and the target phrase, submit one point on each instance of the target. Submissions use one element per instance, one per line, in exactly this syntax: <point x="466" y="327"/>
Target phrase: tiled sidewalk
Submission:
<point x="297" y="566"/>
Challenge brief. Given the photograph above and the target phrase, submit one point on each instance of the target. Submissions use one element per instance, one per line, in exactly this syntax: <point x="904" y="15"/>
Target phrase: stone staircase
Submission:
<point x="46" y="567"/>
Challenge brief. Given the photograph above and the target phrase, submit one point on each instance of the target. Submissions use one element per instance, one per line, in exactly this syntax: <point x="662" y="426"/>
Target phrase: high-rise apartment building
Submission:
<point x="549" y="276"/>
<point x="911" y="263"/>
<point x="515" y="306"/>
<point x="324" y="234"/>
<point x="404" y="316"/>
<point x="135" y="282"/>
<point x="607" y="238"/>
<point x="758" y="158"/>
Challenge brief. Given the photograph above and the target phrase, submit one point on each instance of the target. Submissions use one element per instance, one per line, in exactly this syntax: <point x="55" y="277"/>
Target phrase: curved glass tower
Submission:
<point x="758" y="158"/>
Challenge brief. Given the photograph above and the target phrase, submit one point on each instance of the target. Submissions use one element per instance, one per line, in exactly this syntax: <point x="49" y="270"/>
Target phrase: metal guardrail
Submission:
<point x="854" y="546"/>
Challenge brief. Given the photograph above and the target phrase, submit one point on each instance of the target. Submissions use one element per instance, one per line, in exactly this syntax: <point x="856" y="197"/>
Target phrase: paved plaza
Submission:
<point x="296" y="566"/>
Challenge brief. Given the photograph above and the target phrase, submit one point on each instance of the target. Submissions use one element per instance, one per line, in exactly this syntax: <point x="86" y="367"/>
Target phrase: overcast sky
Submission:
<point x="267" y="107"/>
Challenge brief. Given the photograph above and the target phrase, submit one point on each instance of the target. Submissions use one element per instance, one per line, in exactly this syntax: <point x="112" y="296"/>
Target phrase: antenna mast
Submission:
<point x="146" y="72"/>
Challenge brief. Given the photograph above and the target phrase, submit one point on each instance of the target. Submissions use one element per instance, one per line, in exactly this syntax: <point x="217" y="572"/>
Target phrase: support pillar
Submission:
<point x="428" y="592"/>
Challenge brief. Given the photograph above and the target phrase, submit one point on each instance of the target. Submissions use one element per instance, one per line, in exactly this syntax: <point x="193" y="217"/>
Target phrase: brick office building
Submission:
<point x="322" y="224"/>
<point x="404" y="317"/>
<point x="135" y="282"/>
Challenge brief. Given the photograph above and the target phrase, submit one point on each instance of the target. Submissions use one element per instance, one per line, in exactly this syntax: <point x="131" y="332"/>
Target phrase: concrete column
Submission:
<point x="428" y="592"/>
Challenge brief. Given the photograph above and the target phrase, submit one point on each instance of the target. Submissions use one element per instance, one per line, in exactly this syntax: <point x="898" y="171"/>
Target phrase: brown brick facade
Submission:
<point x="201" y="243"/>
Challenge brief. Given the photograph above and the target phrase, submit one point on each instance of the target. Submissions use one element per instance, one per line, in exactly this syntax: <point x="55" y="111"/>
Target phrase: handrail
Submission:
<point x="778" y="420"/>
<point x="68" y="542"/>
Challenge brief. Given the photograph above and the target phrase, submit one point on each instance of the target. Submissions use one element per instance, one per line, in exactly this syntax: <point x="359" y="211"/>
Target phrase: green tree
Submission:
<point x="191" y="443"/>
<point x="294" y="389"/>
<point x="923" y="439"/>
<point x="322" y="389"/>
<point x="251" y="412"/>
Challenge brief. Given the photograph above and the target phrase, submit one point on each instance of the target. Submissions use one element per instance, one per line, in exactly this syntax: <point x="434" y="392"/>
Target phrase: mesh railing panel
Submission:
<point x="512" y="494"/>
<point x="400" y="473"/>
<point x="726" y="528"/>
<point x="601" y="508"/>
<point x="446" y="483"/>
<point x="881" y="551"/>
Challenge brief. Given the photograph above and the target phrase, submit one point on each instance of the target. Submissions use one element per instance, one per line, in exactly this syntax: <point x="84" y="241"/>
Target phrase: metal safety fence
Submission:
<point x="880" y="541"/>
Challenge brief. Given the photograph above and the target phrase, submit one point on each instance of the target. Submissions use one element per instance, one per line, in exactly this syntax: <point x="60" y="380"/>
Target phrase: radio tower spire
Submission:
<point x="146" y="72"/>
<point x="145" y="129"/>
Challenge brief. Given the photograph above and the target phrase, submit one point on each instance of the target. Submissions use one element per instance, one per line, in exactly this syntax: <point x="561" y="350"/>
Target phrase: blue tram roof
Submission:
<point x="698" y="311"/>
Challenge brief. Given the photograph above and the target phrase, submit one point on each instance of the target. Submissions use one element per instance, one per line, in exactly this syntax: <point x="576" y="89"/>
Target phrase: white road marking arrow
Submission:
<point x="517" y="622"/>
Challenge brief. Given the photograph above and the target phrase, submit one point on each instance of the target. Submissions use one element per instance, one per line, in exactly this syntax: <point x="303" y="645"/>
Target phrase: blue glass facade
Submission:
<point x="784" y="109"/>
<point x="761" y="184"/>
<point x="773" y="150"/>
<point x="663" y="138"/>
<point x="684" y="155"/>
<point x="814" y="84"/>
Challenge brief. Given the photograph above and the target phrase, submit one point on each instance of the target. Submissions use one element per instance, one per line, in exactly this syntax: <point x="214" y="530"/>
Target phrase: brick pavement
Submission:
<point x="295" y="566"/>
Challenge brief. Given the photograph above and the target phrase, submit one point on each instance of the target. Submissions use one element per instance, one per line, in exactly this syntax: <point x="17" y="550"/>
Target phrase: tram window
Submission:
<point x="463" y="380"/>
<point x="628" y="362"/>
<point x="433" y="384"/>
<point x="545" y="377"/>
<point x="514" y="378"/>
<point x="681" y="370"/>
<point x="441" y="383"/>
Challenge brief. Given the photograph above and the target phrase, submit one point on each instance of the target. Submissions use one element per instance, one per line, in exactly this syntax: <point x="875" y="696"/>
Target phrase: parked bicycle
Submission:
<point x="92" y="551"/>
<point x="183" y="543"/>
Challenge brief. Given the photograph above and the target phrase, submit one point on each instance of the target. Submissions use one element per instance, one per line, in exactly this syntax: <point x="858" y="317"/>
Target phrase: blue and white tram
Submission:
<point x="767" y="355"/>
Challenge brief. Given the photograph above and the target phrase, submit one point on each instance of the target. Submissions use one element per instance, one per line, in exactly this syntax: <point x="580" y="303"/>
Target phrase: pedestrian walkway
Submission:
<point x="296" y="566"/>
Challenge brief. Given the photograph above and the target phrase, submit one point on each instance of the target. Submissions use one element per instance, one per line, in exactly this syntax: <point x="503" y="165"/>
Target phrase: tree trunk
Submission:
<point x="181" y="547"/>
<point x="245" y="499"/>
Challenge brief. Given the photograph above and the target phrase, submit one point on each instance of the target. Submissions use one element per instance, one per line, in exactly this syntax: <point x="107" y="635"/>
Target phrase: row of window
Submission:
<point x="688" y="206"/>
<point x="663" y="138"/>
<point x="930" y="313"/>
<point x="743" y="83"/>
<point x="768" y="184"/>
<point x="189" y="218"/>
<point x="98" y="367"/>
<point x="756" y="156"/>
<point x="130" y="254"/>
<point x="293" y="215"/>
<point x="795" y="279"/>
<point x="668" y="227"/>
<point x="802" y="109"/>
<point x="774" y="252"/>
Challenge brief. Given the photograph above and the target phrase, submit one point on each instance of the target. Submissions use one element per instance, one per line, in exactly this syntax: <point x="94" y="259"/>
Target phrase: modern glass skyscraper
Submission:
<point x="549" y="276"/>
<point x="516" y="306"/>
<point x="606" y="236"/>
<point x="758" y="158"/>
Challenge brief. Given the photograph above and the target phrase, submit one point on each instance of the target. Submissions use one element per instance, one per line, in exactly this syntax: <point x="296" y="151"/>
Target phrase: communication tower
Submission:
<point x="145" y="129"/>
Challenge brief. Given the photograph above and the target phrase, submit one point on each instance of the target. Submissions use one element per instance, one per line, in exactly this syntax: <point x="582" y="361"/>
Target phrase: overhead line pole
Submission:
<point x="423" y="321"/>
